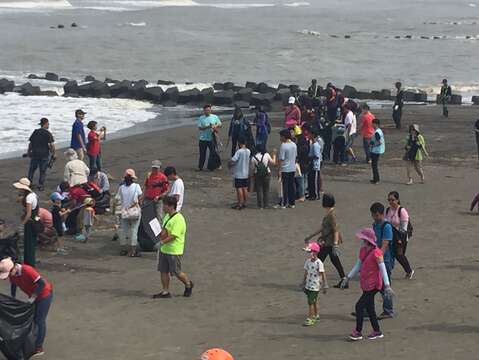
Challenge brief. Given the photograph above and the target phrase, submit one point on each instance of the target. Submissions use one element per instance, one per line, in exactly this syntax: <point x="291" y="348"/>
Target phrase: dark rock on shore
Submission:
<point x="283" y="86"/>
<point x="89" y="78"/>
<point x="192" y="96"/>
<point x="171" y="94"/>
<point x="51" y="76"/>
<point x="61" y="26"/>
<point x="94" y="89"/>
<point x="207" y="95"/>
<point x="6" y="85"/>
<point x="244" y="94"/>
<point x="33" y="77"/>
<point x="251" y="85"/>
<point x="223" y="97"/>
<point x="154" y="94"/>
<point x="381" y="95"/>
<point x="74" y="25"/>
<point x="283" y="95"/>
<point x="70" y="89"/>
<point x="111" y="81"/>
<point x="28" y="89"/>
<point x="475" y="100"/>
<point x="165" y="82"/>
<point x="218" y="86"/>
<point x="48" y="93"/>
<point x="228" y="86"/>
<point x="242" y="104"/>
<point x="121" y="88"/>
<point x="420" y="96"/>
<point x="363" y="95"/>
<point x="455" y="99"/>
<point x="264" y="88"/>
<point x="64" y="79"/>
<point x="263" y="99"/>
<point x="137" y="90"/>
<point x="350" y="91"/>
<point x="295" y="89"/>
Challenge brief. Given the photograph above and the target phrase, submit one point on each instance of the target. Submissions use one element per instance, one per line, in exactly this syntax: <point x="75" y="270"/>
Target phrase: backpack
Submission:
<point x="261" y="168"/>
<point x="410" y="228"/>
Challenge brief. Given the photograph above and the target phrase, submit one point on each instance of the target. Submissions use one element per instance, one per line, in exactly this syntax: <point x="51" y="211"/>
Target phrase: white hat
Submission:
<point x="291" y="100"/>
<point x="23" y="184"/>
<point x="6" y="265"/>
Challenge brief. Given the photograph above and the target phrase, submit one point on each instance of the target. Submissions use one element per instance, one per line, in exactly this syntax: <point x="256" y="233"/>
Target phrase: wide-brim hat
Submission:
<point x="130" y="172"/>
<point x="415" y="127"/>
<point x="23" y="184"/>
<point x="6" y="265"/>
<point x="367" y="234"/>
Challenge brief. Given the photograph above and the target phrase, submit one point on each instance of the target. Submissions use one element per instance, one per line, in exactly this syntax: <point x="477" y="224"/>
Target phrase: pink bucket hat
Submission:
<point x="367" y="234"/>
<point x="6" y="265"/>
<point x="314" y="247"/>
<point x="130" y="172"/>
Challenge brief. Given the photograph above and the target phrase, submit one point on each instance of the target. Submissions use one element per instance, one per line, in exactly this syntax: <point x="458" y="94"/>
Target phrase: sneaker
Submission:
<point x="385" y="316"/>
<point x="162" y="295"/>
<point x="38" y="352"/>
<point x="291" y="206"/>
<point x="374" y="182"/>
<point x="279" y="207"/>
<point x="62" y="251"/>
<point x="80" y="237"/>
<point x="309" y="322"/>
<point x="317" y="318"/>
<point x="355" y="336"/>
<point x="189" y="290"/>
<point x="410" y="182"/>
<point x="410" y="275"/>
<point x="338" y="285"/>
<point x="375" y="335"/>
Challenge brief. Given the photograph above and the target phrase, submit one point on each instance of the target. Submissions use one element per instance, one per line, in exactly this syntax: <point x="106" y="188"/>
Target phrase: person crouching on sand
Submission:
<point x="314" y="281"/>
<point x="373" y="275"/>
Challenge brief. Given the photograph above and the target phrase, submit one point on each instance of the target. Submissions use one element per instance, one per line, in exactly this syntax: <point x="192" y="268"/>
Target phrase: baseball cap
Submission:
<point x="79" y="112"/>
<point x="156" y="164"/>
<point x="6" y="266"/>
<point x="314" y="247"/>
<point x="291" y="100"/>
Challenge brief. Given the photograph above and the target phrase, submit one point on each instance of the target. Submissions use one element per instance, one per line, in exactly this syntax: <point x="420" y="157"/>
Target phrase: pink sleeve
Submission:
<point x="404" y="215"/>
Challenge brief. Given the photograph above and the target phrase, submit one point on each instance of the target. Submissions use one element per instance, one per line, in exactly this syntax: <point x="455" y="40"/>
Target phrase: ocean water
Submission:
<point x="203" y="41"/>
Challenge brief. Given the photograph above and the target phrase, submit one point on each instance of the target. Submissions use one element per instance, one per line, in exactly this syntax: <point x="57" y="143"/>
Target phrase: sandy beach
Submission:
<point x="247" y="265"/>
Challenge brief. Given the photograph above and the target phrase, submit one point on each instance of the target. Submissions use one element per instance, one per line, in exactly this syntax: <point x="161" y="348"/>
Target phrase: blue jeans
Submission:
<point x="41" y="312"/>
<point x="42" y="164"/>
<point x="387" y="302"/>
<point x="95" y="162"/>
<point x="299" y="181"/>
<point x="367" y="150"/>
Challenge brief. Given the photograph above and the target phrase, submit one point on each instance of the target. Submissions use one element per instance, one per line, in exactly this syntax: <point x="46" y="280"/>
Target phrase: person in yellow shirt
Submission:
<point x="415" y="152"/>
<point x="172" y="245"/>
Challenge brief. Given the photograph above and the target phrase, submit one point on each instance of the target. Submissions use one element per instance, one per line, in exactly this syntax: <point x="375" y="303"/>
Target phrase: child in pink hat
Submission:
<point x="314" y="281"/>
<point x="372" y="275"/>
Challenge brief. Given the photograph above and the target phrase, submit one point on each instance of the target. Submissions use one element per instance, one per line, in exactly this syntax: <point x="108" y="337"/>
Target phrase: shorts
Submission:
<point x="312" y="296"/>
<point x="241" y="183"/>
<point x="169" y="263"/>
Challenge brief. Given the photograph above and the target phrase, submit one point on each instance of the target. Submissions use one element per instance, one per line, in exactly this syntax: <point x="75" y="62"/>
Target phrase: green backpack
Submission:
<point x="261" y="168"/>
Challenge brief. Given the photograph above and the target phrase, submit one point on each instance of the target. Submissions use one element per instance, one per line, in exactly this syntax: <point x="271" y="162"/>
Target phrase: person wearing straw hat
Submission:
<point x="29" y="201"/>
<point x="39" y="291"/>
<point x="373" y="277"/>
<point x="129" y="194"/>
<point x="415" y="151"/>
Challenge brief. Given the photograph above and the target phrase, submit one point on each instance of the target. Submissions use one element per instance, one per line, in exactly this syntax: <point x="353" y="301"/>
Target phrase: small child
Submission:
<point x="314" y="281"/>
<point x="58" y="215"/>
<point x="88" y="216"/>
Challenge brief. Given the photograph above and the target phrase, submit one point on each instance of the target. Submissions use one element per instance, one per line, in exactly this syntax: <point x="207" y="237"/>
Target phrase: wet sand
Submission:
<point x="247" y="265"/>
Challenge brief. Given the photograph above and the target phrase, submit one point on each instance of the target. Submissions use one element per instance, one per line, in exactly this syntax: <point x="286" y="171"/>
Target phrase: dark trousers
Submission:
<point x="314" y="184"/>
<point x="95" y="162"/>
<point x="42" y="164"/>
<point x="401" y="256"/>
<point x="234" y="145"/>
<point x="204" y="145"/>
<point x="41" y="312"/>
<point x="445" y="110"/>
<point x="29" y="244"/>
<point x="262" y="191"/>
<point x="364" y="305"/>
<point x="289" y="191"/>
<point x="375" y="166"/>
<point x="339" y="155"/>
<point x="328" y="138"/>
<point x="328" y="250"/>
<point x="397" y="115"/>
<point x="367" y="150"/>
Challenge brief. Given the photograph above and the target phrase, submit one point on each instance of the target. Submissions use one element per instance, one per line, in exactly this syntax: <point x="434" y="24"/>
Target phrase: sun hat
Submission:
<point x="88" y="201"/>
<point x="314" y="247"/>
<point x="156" y="164"/>
<point x="6" y="265"/>
<point x="216" y="354"/>
<point x="130" y="172"/>
<point x="291" y="100"/>
<point x="367" y="234"/>
<point x="56" y="196"/>
<point x="415" y="127"/>
<point x="70" y="154"/>
<point x="23" y="184"/>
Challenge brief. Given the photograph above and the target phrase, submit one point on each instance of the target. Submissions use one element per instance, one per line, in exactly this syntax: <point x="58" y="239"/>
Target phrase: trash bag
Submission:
<point x="102" y="203"/>
<point x="8" y="243"/>
<point x="17" y="328"/>
<point x="146" y="238"/>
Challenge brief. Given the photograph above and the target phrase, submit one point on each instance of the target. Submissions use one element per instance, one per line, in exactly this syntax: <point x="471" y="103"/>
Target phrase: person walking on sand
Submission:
<point x="292" y="114"/>
<point x="172" y="247"/>
<point x="445" y="97"/>
<point x="129" y="194"/>
<point x="94" y="145"/>
<point x="40" y="149"/>
<point x="378" y="147"/>
<point x="373" y="278"/>
<point x="314" y="281"/>
<point x="350" y="123"/>
<point x="240" y="164"/>
<point x="29" y="219"/>
<point x="287" y="168"/>
<point x="329" y="236"/>
<point x="384" y="241"/>
<point x="260" y="165"/>
<point x="38" y="290"/>
<point x="415" y="151"/>
<point x="78" y="140"/>
<point x="367" y="130"/>
<point x="208" y="123"/>
<point x="398" y="217"/>
<point x="398" y="105"/>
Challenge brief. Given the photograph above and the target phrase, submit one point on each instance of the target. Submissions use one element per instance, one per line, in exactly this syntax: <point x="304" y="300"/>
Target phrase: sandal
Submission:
<point x="123" y="252"/>
<point x="236" y="207"/>
<point x="162" y="295"/>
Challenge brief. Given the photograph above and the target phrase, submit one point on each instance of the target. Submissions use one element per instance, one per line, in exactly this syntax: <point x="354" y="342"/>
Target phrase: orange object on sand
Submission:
<point x="216" y="354"/>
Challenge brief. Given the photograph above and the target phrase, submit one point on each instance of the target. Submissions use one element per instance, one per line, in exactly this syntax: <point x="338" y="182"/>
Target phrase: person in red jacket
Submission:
<point x="38" y="289"/>
<point x="156" y="185"/>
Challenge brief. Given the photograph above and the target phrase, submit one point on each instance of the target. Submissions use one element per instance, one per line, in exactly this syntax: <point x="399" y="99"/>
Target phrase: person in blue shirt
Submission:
<point x="378" y="147"/>
<point x="208" y="124"/>
<point x="384" y="241"/>
<point x="78" y="141"/>
<point x="315" y="186"/>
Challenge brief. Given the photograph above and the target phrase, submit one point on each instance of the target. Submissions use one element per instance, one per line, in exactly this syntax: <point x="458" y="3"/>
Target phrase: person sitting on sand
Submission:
<point x="240" y="164"/>
<point x="76" y="172"/>
<point x="314" y="281"/>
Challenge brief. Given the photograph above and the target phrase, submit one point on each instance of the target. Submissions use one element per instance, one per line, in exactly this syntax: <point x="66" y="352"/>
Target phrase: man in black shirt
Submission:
<point x="398" y="104"/>
<point x="445" y="97"/>
<point x="39" y="150"/>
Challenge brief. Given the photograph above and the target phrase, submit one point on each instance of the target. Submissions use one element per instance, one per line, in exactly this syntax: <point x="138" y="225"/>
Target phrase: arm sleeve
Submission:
<point x="355" y="269"/>
<point x="388" y="232"/>
<point x="403" y="219"/>
<point x="384" y="273"/>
